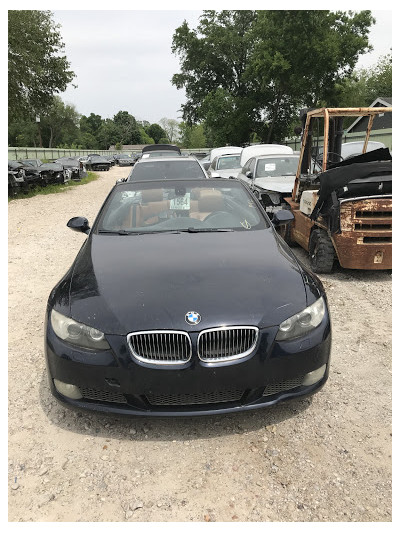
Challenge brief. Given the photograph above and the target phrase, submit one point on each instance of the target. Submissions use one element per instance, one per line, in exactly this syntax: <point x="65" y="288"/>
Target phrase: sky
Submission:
<point x="123" y="59"/>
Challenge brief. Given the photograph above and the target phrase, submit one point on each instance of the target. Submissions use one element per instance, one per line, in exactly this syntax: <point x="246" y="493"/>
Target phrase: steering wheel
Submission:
<point x="216" y="213"/>
<point x="330" y="159"/>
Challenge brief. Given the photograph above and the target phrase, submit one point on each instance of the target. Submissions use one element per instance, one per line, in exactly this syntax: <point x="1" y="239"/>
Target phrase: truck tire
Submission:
<point x="321" y="251"/>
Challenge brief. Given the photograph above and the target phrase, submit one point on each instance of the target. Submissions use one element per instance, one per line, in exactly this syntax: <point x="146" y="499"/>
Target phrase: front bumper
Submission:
<point x="114" y="381"/>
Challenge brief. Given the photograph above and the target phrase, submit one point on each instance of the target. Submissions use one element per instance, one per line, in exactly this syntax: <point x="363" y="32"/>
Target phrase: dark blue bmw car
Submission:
<point x="184" y="300"/>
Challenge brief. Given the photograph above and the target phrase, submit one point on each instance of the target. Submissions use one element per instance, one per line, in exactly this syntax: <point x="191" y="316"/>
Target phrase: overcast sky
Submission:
<point x="123" y="59"/>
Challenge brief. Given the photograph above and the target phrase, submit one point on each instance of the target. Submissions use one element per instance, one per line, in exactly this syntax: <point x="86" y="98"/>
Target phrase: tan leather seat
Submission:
<point x="209" y="202"/>
<point x="152" y="204"/>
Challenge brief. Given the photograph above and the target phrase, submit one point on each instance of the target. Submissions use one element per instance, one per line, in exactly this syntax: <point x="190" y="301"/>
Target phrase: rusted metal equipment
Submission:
<point x="343" y="209"/>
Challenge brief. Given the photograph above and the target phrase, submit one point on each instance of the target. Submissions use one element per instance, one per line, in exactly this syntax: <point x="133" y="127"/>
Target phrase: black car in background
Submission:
<point x="16" y="177"/>
<point x="53" y="173"/>
<point x="124" y="160"/>
<point x="97" y="162"/>
<point x="160" y="150"/>
<point x="73" y="165"/>
<point x="184" y="300"/>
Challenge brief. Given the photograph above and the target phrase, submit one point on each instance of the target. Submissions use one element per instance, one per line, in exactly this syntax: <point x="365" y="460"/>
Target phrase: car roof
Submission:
<point x="166" y="159"/>
<point x="225" y="150"/>
<point x="263" y="149"/>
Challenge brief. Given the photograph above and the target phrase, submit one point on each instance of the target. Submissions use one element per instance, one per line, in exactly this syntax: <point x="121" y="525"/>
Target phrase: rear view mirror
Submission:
<point x="80" y="224"/>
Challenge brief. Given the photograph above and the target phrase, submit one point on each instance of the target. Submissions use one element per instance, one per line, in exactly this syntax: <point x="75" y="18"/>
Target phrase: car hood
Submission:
<point x="51" y="166"/>
<point x="140" y="282"/>
<point x="282" y="184"/>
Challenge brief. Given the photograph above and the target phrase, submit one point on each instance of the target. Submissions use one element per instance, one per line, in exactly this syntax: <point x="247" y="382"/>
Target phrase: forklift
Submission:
<point x="342" y="207"/>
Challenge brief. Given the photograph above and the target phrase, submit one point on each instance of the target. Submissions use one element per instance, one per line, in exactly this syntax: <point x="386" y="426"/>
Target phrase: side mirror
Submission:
<point x="80" y="224"/>
<point x="282" y="217"/>
<point x="249" y="175"/>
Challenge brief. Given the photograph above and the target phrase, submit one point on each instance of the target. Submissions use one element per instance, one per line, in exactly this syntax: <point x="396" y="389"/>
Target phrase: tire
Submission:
<point x="321" y="251"/>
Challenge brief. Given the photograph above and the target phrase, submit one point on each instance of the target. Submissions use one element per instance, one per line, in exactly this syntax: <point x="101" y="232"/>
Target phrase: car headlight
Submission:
<point x="79" y="334"/>
<point x="299" y="324"/>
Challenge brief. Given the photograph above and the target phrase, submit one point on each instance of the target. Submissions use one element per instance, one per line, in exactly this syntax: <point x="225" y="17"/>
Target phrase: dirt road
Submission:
<point x="327" y="458"/>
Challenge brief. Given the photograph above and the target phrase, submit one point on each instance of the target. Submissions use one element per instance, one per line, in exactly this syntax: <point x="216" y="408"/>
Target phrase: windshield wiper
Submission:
<point x="206" y="230"/>
<point x="114" y="232"/>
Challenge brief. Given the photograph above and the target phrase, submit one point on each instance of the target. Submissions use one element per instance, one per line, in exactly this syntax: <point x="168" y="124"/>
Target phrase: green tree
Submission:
<point x="156" y="132"/>
<point x="90" y="124"/>
<point x="128" y="129"/>
<point x="37" y="69"/>
<point x="88" y="141"/>
<point x="144" y="137"/>
<point x="378" y="79"/>
<point x="261" y="66"/>
<point x="192" y="136"/>
<point x="59" y="124"/>
<point x="23" y="132"/>
<point x="109" y="134"/>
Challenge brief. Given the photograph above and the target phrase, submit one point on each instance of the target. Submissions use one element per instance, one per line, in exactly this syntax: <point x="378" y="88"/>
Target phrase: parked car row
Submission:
<point x="27" y="173"/>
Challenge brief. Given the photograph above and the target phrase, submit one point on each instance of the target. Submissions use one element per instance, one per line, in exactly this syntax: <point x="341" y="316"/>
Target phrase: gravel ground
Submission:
<point x="326" y="458"/>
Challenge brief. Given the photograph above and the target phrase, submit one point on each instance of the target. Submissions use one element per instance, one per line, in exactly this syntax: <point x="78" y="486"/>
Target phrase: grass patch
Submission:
<point x="54" y="188"/>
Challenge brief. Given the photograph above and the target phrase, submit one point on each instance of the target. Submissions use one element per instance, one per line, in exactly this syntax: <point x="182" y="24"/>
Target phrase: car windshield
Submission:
<point x="227" y="162"/>
<point x="180" y="206"/>
<point x="155" y="170"/>
<point x="33" y="162"/>
<point x="276" y="166"/>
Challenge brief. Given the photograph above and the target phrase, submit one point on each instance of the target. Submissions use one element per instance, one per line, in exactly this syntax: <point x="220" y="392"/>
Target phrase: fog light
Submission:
<point x="68" y="390"/>
<point x="314" y="376"/>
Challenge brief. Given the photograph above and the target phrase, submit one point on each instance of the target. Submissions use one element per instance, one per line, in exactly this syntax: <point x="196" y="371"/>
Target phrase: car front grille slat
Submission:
<point x="161" y="347"/>
<point x="226" y="343"/>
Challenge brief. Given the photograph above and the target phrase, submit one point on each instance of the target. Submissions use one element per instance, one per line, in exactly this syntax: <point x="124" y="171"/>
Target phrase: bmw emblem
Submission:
<point x="192" y="318"/>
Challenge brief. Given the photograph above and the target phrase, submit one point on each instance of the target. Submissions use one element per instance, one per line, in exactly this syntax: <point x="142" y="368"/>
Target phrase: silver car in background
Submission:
<point x="225" y="166"/>
<point x="272" y="177"/>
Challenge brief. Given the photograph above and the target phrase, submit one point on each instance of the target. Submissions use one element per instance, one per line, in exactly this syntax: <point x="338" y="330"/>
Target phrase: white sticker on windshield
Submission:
<point x="145" y="155"/>
<point x="270" y="166"/>
<point x="180" y="202"/>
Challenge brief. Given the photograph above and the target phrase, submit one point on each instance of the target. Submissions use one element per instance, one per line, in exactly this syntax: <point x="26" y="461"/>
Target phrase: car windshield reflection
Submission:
<point x="277" y="166"/>
<point x="180" y="206"/>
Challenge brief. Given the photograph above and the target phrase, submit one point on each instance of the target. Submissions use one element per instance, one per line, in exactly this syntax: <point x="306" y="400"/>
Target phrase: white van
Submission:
<point x="224" y="150"/>
<point x="263" y="149"/>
